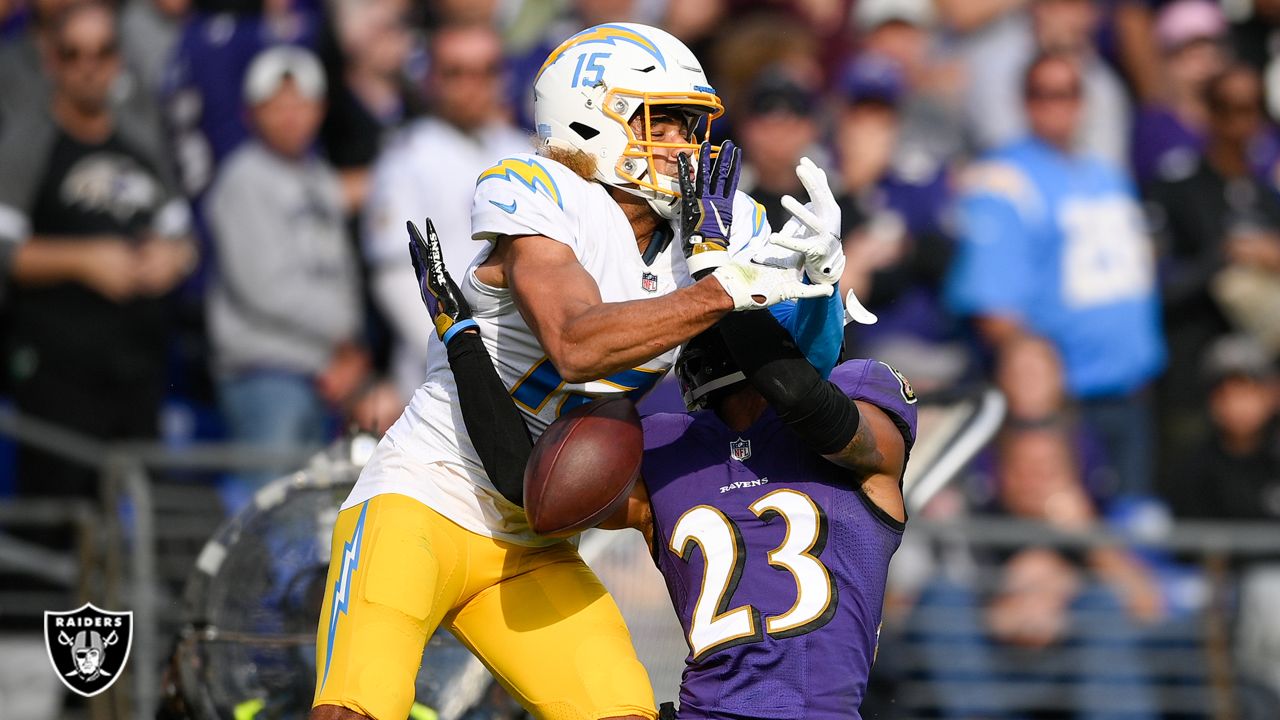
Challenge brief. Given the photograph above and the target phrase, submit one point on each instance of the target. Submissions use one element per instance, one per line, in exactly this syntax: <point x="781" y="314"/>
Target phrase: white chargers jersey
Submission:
<point x="427" y="454"/>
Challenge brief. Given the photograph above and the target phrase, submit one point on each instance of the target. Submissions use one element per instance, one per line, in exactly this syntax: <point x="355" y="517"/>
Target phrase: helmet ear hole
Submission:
<point x="586" y="132"/>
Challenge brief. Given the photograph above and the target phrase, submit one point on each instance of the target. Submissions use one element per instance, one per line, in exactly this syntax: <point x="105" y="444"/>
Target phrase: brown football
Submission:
<point x="583" y="467"/>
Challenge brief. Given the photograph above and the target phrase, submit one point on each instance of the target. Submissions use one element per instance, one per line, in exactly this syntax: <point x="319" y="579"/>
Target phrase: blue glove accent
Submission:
<point x="817" y="324"/>
<point x="457" y="328"/>
<point x="784" y="312"/>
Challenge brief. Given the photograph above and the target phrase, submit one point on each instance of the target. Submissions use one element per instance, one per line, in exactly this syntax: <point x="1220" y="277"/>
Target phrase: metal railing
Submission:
<point x="116" y="562"/>
<point x="1184" y="665"/>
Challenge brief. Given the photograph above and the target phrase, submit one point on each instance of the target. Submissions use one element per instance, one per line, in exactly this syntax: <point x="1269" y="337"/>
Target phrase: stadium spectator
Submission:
<point x="1129" y="40"/>
<point x="1168" y="135"/>
<point x="894" y="195"/>
<point x="447" y="12"/>
<point x="747" y="48"/>
<point x="776" y="129"/>
<point x="1233" y="473"/>
<point x="526" y="61"/>
<point x="372" y="96"/>
<point x="1053" y="244"/>
<point x="1001" y="45"/>
<point x="25" y="84"/>
<point x="149" y="30"/>
<point x="97" y="237"/>
<point x="283" y="310"/>
<point x="694" y="23"/>
<point x="430" y="168"/>
<point x="1040" y="592"/>
<point x="201" y="96"/>
<point x="930" y="102"/>
<point x="1210" y="215"/>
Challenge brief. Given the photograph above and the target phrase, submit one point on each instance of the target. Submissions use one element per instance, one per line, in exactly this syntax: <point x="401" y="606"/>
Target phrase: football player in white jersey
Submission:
<point x="582" y="293"/>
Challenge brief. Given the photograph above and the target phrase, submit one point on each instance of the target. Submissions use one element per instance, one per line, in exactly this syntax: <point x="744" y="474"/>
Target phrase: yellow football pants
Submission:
<point x="538" y="618"/>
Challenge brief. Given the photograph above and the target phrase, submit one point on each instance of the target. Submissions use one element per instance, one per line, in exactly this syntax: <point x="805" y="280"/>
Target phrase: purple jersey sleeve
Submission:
<point x="879" y="384"/>
<point x="662" y="428"/>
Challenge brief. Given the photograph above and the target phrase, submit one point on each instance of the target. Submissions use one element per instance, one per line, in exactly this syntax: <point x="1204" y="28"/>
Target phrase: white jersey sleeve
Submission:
<point x="525" y="195"/>
<point x="750" y="228"/>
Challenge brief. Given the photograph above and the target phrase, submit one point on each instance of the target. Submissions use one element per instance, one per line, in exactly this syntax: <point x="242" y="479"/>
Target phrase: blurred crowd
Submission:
<point x="202" y="205"/>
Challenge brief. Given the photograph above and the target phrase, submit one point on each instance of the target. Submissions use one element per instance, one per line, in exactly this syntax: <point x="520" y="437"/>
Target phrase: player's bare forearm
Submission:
<point x="876" y="448"/>
<point x="610" y="337"/>
<point x="862" y="454"/>
<point x="585" y="337"/>
<point x="878" y="455"/>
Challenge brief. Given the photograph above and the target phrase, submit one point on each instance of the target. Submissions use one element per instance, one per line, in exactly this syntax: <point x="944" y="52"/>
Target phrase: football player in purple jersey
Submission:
<point x="772" y="509"/>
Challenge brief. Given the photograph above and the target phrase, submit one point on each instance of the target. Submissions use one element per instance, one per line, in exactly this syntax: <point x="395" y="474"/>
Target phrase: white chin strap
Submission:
<point x="695" y="398"/>
<point x="667" y="206"/>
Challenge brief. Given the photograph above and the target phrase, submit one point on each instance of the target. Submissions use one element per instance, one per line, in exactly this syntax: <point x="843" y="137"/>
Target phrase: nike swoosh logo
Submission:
<point x="510" y="209"/>
<point x="724" y="231"/>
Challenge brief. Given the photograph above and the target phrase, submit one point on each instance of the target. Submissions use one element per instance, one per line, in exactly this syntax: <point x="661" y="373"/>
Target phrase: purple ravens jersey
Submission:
<point x="774" y="558"/>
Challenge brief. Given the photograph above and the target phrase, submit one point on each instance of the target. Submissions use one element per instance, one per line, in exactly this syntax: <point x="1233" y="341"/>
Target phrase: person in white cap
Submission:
<point x="284" y="307"/>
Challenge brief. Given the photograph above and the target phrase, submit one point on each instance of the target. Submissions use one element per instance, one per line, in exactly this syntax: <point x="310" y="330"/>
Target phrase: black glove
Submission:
<point x="493" y="422"/>
<point x="449" y="310"/>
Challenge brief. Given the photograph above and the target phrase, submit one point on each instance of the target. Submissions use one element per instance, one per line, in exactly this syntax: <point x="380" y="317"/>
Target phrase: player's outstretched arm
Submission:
<point x="587" y="338"/>
<point x="493" y="423"/>
<point x="855" y="435"/>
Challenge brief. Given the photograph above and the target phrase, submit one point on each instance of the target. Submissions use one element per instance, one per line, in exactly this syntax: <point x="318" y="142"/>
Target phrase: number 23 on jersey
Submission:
<point x="715" y="626"/>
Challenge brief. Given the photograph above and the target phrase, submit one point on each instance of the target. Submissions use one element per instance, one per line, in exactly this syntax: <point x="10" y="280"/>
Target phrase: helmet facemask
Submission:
<point x="637" y="165"/>
<point x="706" y="371"/>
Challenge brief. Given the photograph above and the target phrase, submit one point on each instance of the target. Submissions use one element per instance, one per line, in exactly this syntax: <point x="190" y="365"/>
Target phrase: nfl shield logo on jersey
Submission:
<point x="649" y="282"/>
<point x="88" y="646"/>
<point x="740" y="449"/>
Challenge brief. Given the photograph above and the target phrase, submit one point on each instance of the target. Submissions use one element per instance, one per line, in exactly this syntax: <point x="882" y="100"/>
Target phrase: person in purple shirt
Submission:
<point x="1168" y="135"/>
<point x="776" y="470"/>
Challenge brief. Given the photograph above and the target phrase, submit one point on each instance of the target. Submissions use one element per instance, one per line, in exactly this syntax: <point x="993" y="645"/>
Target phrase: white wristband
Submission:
<point x="706" y="260"/>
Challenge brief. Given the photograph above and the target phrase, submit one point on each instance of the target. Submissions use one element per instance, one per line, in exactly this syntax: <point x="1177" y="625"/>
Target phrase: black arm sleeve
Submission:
<point x="493" y="422"/>
<point x="815" y="408"/>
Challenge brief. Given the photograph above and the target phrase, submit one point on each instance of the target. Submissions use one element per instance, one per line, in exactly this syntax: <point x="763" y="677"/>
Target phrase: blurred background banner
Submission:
<point x="1074" y="203"/>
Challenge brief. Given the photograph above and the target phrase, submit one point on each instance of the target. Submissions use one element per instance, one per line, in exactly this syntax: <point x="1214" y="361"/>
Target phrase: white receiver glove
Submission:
<point x="855" y="312"/>
<point x="814" y="229"/>
<point x="758" y="286"/>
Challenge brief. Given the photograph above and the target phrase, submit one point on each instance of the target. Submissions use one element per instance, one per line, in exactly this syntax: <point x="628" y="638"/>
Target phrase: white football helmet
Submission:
<point x="590" y="88"/>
